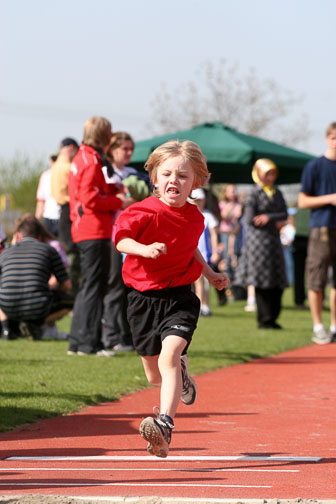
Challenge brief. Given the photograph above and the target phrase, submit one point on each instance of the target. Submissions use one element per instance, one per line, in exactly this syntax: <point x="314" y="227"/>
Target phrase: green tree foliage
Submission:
<point x="19" y="178"/>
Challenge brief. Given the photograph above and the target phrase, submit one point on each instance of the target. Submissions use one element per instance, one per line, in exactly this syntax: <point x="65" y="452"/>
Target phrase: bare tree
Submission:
<point x="248" y="103"/>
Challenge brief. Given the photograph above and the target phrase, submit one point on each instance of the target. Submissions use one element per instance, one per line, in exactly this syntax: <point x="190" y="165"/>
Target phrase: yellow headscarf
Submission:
<point x="263" y="166"/>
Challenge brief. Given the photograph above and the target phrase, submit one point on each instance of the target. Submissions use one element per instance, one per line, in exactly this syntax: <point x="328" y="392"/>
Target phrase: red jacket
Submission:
<point x="91" y="198"/>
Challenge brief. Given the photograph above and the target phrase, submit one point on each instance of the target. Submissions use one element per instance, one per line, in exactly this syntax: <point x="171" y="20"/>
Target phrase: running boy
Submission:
<point x="160" y="236"/>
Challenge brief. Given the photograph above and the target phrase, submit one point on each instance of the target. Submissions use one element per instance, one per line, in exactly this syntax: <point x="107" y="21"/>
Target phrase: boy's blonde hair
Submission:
<point x="330" y="128"/>
<point x="190" y="151"/>
<point x="97" y="132"/>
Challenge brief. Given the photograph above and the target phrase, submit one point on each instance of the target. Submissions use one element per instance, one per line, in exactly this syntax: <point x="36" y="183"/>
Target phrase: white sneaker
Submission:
<point x="322" y="337"/>
<point x="250" y="307"/>
<point x="120" y="347"/>
<point x="105" y="353"/>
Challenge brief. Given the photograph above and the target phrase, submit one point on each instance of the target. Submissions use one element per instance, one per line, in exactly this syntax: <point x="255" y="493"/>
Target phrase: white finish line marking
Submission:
<point x="15" y="469"/>
<point x="190" y="458"/>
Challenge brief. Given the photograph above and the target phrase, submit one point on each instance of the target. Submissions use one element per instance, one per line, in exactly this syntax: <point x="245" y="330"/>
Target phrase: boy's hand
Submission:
<point x="218" y="280"/>
<point x="154" y="250"/>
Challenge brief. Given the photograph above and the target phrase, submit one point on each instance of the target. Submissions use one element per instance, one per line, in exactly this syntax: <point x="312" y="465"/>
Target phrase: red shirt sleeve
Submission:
<point x="129" y="224"/>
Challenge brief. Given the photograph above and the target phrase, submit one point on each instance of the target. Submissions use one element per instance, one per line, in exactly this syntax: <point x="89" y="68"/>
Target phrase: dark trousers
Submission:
<point x="115" y="325"/>
<point x="51" y="225"/>
<point x="85" y="333"/>
<point x="64" y="227"/>
<point x="61" y="301"/>
<point x="268" y="305"/>
<point x="299" y="250"/>
<point x="64" y="234"/>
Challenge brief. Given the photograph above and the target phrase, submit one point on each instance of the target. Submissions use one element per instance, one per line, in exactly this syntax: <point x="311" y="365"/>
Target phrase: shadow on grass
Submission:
<point x="87" y="399"/>
<point x="229" y="356"/>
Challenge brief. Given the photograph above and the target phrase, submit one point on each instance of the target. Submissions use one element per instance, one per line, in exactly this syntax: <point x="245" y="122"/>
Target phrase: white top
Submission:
<point x="118" y="175"/>
<point x="204" y="243"/>
<point x="51" y="208"/>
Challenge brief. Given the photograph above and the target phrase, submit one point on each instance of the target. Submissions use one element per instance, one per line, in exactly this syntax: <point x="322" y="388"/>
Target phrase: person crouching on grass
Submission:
<point x="160" y="236"/>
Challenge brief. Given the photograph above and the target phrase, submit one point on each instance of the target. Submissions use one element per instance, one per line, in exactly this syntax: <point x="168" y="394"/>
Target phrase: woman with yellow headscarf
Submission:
<point x="261" y="263"/>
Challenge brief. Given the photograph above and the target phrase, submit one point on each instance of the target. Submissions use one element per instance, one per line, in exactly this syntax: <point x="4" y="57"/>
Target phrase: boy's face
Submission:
<point x="174" y="181"/>
<point x="331" y="140"/>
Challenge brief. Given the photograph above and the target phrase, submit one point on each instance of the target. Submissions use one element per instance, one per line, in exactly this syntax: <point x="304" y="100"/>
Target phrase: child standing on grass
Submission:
<point x="160" y="236"/>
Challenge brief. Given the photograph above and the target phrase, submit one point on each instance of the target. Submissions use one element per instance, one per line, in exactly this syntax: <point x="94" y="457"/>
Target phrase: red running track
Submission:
<point x="262" y="423"/>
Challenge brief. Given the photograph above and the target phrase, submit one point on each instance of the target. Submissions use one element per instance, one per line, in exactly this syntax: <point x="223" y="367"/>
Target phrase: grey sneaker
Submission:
<point x="120" y="347"/>
<point x="104" y="353"/>
<point x="189" y="387"/>
<point x="322" y="337"/>
<point x="157" y="431"/>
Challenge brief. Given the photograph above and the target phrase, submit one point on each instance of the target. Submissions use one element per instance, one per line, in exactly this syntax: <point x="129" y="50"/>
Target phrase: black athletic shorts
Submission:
<point x="155" y="314"/>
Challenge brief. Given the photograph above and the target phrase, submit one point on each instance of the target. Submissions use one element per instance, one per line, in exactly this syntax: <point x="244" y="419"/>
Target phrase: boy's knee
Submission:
<point x="154" y="379"/>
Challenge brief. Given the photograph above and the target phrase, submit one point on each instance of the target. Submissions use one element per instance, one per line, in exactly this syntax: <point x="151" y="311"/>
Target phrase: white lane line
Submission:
<point x="137" y="458"/>
<point x="8" y="469"/>
<point x="9" y="484"/>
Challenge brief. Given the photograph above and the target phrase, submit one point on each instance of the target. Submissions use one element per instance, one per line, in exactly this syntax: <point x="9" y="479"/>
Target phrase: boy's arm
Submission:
<point x="130" y="246"/>
<point x="218" y="280"/>
<point x="307" y="201"/>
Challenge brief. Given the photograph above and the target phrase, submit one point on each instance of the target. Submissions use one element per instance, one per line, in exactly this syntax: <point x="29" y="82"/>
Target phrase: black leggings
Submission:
<point x="268" y="305"/>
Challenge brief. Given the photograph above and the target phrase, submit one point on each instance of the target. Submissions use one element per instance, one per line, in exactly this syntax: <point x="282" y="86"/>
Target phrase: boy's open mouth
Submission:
<point x="173" y="190"/>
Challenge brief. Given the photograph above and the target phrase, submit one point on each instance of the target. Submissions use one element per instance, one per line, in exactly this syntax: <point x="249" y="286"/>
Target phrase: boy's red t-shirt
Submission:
<point x="179" y="229"/>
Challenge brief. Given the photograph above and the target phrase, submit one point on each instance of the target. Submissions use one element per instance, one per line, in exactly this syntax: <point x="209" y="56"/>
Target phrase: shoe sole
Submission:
<point x="151" y="432"/>
<point x="321" y="341"/>
<point x="193" y="399"/>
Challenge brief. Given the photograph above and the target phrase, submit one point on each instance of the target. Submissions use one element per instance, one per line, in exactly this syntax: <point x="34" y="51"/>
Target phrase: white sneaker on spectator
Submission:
<point x="250" y="307"/>
<point x="105" y="353"/>
<point x="120" y="347"/>
<point x="322" y="336"/>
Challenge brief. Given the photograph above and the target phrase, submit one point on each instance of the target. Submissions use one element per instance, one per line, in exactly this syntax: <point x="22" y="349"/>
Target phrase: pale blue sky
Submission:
<point x="66" y="60"/>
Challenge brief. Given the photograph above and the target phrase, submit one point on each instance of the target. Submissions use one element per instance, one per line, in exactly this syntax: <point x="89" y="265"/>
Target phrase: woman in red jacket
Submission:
<point x="92" y="202"/>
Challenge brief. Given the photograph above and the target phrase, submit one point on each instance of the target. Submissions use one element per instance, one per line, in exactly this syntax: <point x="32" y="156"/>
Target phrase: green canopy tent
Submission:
<point x="230" y="154"/>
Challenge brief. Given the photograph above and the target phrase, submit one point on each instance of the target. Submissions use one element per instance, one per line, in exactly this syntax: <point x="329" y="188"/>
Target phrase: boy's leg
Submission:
<point x="317" y="264"/>
<point x="170" y="369"/>
<point x="151" y="368"/>
<point x="158" y="431"/>
<point x="315" y="302"/>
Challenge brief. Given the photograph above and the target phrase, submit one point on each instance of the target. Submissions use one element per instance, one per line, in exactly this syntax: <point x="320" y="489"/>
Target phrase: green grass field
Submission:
<point x="38" y="380"/>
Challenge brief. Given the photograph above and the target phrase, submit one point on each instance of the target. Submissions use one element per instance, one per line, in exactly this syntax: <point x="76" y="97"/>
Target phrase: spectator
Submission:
<point x="287" y="235"/>
<point x="59" y="189"/>
<point x="116" y="331"/>
<point x="50" y="329"/>
<point x="262" y="262"/>
<point x="92" y="203"/>
<point x="47" y="208"/>
<point x="318" y="193"/>
<point x="230" y="212"/>
<point x="25" y="296"/>
<point x="208" y="246"/>
<point x="299" y="251"/>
